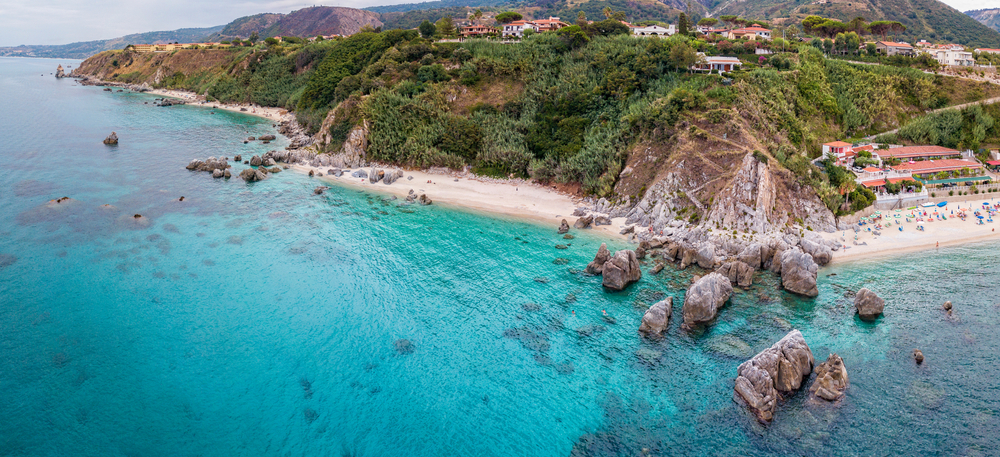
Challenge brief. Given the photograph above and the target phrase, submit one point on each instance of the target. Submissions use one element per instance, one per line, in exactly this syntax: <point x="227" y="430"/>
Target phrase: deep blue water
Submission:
<point x="260" y="319"/>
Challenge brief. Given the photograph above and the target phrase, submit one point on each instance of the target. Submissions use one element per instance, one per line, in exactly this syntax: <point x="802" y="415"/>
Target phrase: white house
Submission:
<point x="951" y="54"/>
<point x="517" y="28"/>
<point x="720" y="64"/>
<point x="653" y="30"/>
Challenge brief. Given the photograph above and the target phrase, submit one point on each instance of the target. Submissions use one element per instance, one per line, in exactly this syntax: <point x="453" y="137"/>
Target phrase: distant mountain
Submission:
<point x="924" y="19"/>
<point x="84" y="49"/>
<point x="306" y="22"/>
<point x="987" y="17"/>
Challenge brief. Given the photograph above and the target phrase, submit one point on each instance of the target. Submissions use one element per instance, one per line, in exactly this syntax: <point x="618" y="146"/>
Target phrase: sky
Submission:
<point x="66" y="21"/>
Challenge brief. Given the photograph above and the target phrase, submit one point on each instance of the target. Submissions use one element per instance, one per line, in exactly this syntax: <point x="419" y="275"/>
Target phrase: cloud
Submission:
<point x="67" y="21"/>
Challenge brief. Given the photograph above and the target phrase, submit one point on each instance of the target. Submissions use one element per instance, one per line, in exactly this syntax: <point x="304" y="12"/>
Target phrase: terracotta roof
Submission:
<point x="987" y="50"/>
<point x="917" y="151"/>
<point x="936" y="165"/>
<point x="755" y="28"/>
<point x="873" y="169"/>
<point x="875" y="183"/>
<point x="895" y="45"/>
<point x="837" y="144"/>
<point x="866" y="147"/>
<point x="993" y="163"/>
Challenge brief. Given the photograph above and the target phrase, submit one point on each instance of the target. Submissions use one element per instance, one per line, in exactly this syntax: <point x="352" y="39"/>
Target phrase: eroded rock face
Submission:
<point x="831" y="379"/>
<point x="798" y="272"/>
<point x="868" y="304"/>
<point x="705" y="256"/>
<point x="596" y="266"/>
<point x="777" y="370"/>
<point x="751" y="255"/>
<point x="657" y="318"/>
<point x="621" y="270"/>
<point x="738" y="273"/>
<point x="705" y="297"/>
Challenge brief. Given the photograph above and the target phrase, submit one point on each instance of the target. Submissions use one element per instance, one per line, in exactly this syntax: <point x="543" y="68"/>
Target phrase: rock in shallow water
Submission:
<point x="622" y="270"/>
<point x="798" y="273"/>
<point x="868" y="304"/>
<point x="705" y="297"/>
<point x="657" y="317"/>
<point x="831" y="379"/>
<point x="778" y="369"/>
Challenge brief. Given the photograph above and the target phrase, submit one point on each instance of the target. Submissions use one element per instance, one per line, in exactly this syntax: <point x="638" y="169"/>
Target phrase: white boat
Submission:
<point x="928" y="205"/>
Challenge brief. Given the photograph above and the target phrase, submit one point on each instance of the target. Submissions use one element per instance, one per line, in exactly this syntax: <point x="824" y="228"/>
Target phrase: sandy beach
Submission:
<point x="193" y="99"/>
<point x="516" y="198"/>
<point x="937" y="233"/>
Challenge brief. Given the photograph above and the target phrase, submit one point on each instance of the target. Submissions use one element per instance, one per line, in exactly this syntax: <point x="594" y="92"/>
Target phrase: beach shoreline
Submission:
<point x="936" y="234"/>
<point x="516" y="199"/>
<point x="193" y="99"/>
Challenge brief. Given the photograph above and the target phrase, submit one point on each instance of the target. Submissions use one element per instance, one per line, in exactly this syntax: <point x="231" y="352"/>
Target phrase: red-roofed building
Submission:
<point x="754" y="32"/>
<point x="552" y="23"/>
<point x="919" y="152"/>
<point x="891" y="48"/>
<point x="988" y="51"/>
<point x="477" y="30"/>
<point x="993" y="165"/>
<point x="929" y="167"/>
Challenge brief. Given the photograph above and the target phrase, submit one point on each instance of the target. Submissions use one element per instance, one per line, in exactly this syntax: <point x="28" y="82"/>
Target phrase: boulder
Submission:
<point x="255" y="161"/>
<point x="217" y="173"/>
<point x="596" y="266"/>
<point x="831" y="379"/>
<point x="602" y="220"/>
<point x="60" y="73"/>
<point x="918" y="355"/>
<point x="705" y="256"/>
<point x="268" y="138"/>
<point x="112" y="139"/>
<point x="640" y="251"/>
<point x="751" y="255"/>
<point x="584" y="222"/>
<point x="704" y="298"/>
<point x="657" y="317"/>
<point x="798" y="272"/>
<point x="687" y="257"/>
<point x="424" y="200"/>
<point x="738" y="273"/>
<point x="777" y="370"/>
<point x="392" y="176"/>
<point x="947" y="306"/>
<point x="670" y="252"/>
<point x="238" y="158"/>
<point x="252" y="175"/>
<point x="268" y="162"/>
<point x="656" y="269"/>
<point x="621" y="270"/>
<point x="820" y="252"/>
<point x="868" y="304"/>
<point x="359" y="174"/>
<point x="563" y="227"/>
<point x="226" y="174"/>
<point x="376" y="175"/>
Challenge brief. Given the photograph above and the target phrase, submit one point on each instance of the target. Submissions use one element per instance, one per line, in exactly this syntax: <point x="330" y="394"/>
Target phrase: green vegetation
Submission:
<point x="969" y="128"/>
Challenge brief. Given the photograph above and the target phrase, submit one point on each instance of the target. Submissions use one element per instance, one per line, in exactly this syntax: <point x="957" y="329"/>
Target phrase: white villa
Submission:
<point x="653" y="30"/>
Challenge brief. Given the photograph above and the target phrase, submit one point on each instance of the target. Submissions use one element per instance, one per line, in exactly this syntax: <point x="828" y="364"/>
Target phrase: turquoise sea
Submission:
<point x="261" y="319"/>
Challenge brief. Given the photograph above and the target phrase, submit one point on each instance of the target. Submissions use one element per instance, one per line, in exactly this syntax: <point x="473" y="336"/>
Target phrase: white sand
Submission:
<point x="937" y="233"/>
<point x="515" y="198"/>
<point x="193" y="99"/>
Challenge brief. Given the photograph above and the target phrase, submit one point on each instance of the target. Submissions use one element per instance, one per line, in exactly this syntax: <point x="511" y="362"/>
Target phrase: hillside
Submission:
<point x="84" y="49"/>
<point x="924" y="19"/>
<point x="306" y="22"/>
<point x="609" y="116"/>
<point x="987" y="17"/>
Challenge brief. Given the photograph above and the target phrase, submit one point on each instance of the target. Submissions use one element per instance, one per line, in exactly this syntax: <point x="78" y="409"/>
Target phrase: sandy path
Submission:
<point x="517" y="199"/>
<point x="937" y="233"/>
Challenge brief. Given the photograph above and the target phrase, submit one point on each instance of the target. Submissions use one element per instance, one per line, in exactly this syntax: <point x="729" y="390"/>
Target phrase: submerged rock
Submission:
<point x="404" y="346"/>
<point x="622" y="270"/>
<point x="704" y="298"/>
<point x="777" y="370"/>
<point x="868" y="304"/>
<point x="657" y="317"/>
<point x="831" y="379"/>
<point x="7" y="260"/>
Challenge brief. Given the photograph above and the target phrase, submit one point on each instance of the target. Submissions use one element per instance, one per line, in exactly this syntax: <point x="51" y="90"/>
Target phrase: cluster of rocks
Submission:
<point x="618" y="270"/>
<point x="423" y="199"/>
<point x="390" y="177"/>
<point x="92" y="81"/>
<point x="219" y="167"/>
<point x="168" y="102"/>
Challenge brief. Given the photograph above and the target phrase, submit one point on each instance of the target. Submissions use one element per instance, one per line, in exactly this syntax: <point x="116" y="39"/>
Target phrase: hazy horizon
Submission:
<point x="55" y="22"/>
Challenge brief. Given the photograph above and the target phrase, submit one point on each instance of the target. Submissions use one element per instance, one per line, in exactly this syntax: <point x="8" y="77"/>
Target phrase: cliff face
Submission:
<point x="153" y="68"/>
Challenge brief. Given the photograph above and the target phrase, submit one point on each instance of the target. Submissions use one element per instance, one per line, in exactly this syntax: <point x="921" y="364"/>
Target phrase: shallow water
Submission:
<point x="260" y="319"/>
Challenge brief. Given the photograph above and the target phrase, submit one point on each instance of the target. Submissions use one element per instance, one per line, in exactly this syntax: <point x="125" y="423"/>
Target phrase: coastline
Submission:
<point x="193" y="99"/>
<point x="520" y="199"/>
<point x="939" y="233"/>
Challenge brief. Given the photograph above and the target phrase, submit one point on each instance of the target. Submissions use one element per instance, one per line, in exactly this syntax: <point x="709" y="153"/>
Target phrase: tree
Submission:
<point x="270" y="41"/>
<point x="508" y="16"/>
<point x="828" y="46"/>
<point x="445" y="26"/>
<point x="791" y="31"/>
<point x="728" y="18"/>
<point x="682" y="24"/>
<point x="810" y="23"/>
<point x="427" y="29"/>
<point x="606" y="27"/>
<point x="581" y="18"/>
<point x="883" y="28"/>
<point x="254" y="38"/>
<point x="573" y="36"/>
<point x="708" y="22"/>
<point x="477" y="15"/>
<point x="608" y="12"/>
<point x="683" y="56"/>
<point x="871" y="49"/>
<point x="857" y="25"/>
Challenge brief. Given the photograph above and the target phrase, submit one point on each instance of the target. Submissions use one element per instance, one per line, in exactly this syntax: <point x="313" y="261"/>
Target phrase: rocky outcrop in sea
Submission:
<point x="776" y="371"/>
<point x="704" y="298"/>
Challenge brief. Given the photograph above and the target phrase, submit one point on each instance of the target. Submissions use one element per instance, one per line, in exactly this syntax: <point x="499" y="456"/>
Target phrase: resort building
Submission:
<point x="891" y="48"/>
<point x="950" y="54"/>
<point x="546" y="25"/>
<point x="517" y="28"/>
<point x="927" y="168"/>
<point x="652" y="30"/>
<point x="906" y="153"/>
<point x="754" y="32"/>
<point x="168" y="47"/>
<point x="987" y="51"/>
<point x="720" y="64"/>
